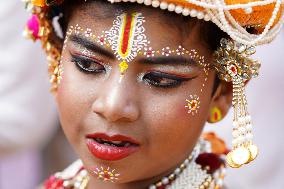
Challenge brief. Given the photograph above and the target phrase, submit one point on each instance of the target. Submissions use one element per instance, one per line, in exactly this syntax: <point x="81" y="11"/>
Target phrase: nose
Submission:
<point x="116" y="101"/>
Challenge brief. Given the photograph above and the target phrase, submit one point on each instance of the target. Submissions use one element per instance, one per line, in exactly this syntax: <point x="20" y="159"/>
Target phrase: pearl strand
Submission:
<point x="216" y="10"/>
<point x="170" y="7"/>
<point x="246" y="39"/>
<point x="188" y="161"/>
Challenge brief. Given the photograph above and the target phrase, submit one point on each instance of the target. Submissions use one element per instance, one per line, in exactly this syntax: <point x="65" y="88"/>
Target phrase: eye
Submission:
<point x="87" y="65"/>
<point x="159" y="79"/>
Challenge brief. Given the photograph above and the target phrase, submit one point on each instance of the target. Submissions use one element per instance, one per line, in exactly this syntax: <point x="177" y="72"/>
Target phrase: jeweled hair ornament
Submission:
<point x="233" y="64"/>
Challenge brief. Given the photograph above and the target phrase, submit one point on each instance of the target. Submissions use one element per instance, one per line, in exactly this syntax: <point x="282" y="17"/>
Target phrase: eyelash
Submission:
<point x="84" y="63"/>
<point x="156" y="79"/>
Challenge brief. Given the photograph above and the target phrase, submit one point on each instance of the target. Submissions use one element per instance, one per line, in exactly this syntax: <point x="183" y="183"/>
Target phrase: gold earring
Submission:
<point x="233" y="64"/>
<point x="215" y="115"/>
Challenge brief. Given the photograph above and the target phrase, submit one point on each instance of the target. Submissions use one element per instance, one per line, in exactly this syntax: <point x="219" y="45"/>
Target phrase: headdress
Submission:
<point x="247" y="22"/>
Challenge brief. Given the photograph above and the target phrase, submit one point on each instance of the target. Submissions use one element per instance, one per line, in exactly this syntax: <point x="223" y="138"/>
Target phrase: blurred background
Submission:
<point x="32" y="145"/>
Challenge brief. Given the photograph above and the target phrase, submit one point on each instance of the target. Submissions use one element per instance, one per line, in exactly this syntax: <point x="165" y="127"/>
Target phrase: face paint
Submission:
<point x="126" y="38"/>
<point x="193" y="104"/>
<point x="106" y="174"/>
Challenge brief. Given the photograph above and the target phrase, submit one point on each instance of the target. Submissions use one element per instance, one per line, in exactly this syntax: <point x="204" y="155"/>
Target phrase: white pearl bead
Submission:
<point x="220" y="182"/>
<point x="206" y="17"/>
<point x="248" y="10"/>
<point x="200" y="15"/>
<point x="132" y="1"/>
<point x="152" y="187"/>
<point x="242" y="130"/>
<point x="165" y="180"/>
<point x="164" y="5"/>
<point x="155" y="4"/>
<point x="124" y="0"/>
<point x="171" y="7"/>
<point x="248" y="118"/>
<point x="241" y="139"/>
<point x="185" y="12"/>
<point x="178" y="9"/>
<point x="140" y="1"/>
<point x="177" y="171"/>
<point x="235" y="124"/>
<point x="193" y="13"/>
<point x="235" y="133"/>
<point x="249" y="127"/>
<point x="83" y="173"/>
<point x="242" y="120"/>
<point x="235" y="142"/>
<point x="77" y="184"/>
<point x="148" y="2"/>
<point x="186" y="162"/>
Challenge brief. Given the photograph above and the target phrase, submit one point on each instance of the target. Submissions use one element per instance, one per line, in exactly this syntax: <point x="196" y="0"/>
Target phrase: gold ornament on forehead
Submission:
<point x="126" y="38"/>
<point x="233" y="64"/>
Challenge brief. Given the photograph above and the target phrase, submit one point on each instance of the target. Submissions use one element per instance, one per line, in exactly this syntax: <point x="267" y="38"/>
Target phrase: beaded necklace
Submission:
<point x="189" y="175"/>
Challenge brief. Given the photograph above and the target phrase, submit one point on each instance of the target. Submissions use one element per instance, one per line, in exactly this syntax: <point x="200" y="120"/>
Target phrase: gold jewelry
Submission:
<point x="40" y="27"/>
<point x="215" y="115"/>
<point x="234" y="65"/>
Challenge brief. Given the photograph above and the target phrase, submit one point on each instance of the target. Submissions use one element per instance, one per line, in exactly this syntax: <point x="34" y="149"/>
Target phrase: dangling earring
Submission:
<point x="215" y="115"/>
<point x="234" y="65"/>
<point x="55" y="73"/>
<point x="55" y="68"/>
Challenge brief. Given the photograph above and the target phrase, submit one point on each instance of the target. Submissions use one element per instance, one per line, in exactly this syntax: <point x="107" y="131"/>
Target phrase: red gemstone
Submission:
<point x="233" y="69"/>
<point x="215" y="115"/>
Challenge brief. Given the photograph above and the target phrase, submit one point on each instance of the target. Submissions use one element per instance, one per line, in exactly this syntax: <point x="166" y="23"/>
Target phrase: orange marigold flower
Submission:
<point x="218" y="145"/>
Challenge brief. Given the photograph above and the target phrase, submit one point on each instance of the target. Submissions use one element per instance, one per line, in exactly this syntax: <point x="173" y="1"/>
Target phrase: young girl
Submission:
<point x="135" y="86"/>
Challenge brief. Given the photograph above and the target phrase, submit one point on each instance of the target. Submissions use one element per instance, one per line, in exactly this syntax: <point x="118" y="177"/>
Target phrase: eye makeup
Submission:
<point x="126" y="39"/>
<point x="88" y="62"/>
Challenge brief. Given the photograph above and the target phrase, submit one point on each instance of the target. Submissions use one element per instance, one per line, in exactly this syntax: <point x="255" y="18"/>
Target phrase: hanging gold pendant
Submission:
<point x="233" y="64"/>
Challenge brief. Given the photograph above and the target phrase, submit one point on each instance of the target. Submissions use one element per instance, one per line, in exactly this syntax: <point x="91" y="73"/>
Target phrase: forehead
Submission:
<point x="162" y="28"/>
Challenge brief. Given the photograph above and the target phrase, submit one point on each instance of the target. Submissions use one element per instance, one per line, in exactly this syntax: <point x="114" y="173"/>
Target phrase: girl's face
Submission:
<point x="138" y="126"/>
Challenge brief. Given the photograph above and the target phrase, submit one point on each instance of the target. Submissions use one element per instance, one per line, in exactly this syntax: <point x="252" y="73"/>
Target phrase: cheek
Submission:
<point x="72" y="101"/>
<point x="171" y="127"/>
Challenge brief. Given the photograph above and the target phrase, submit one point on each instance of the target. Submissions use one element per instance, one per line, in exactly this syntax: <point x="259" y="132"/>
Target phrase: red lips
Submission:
<point x="111" y="148"/>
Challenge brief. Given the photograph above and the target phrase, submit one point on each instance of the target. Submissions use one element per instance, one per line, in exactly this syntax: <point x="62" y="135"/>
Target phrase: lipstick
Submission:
<point x="111" y="148"/>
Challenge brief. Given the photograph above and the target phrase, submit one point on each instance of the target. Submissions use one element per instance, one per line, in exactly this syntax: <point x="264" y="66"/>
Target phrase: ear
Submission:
<point x="221" y="100"/>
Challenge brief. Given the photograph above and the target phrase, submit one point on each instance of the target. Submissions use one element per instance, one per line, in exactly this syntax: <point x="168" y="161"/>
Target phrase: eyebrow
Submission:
<point x="170" y="60"/>
<point x="90" y="45"/>
<point x="162" y="60"/>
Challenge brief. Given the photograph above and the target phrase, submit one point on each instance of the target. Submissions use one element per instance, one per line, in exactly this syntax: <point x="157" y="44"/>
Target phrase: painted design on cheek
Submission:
<point x="193" y="104"/>
<point x="106" y="174"/>
<point x="126" y="38"/>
